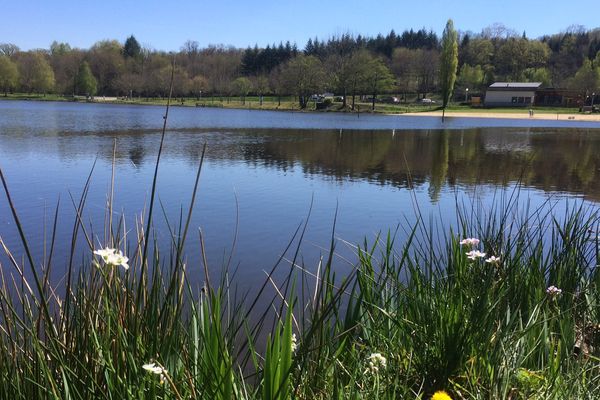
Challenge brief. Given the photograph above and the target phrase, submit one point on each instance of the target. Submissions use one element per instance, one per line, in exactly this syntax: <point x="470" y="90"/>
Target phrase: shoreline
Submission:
<point x="541" y="115"/>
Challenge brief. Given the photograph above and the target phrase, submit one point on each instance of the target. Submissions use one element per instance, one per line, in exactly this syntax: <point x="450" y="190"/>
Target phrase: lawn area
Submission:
<point x="290" y="103"/>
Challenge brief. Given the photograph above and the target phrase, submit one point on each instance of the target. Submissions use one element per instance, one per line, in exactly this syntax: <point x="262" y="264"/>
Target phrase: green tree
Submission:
<point x="260" y="85"/>
<point x="86" y="82"/>
<point x="470" y="77"/>
<point x="587" y="78"/>
<point x="241" y="86"/>
<point x="65" y="63"/>
<point x="9" y="74"/>
<point x="132" y="47"/>
<point x="378" y="78"/>
<point x="35" y="73"/>
<point x="516" y="54"/>
<point x="358" y="71"/>
<point x="478" y="51"/>
<point x="538" y="75"/>
<point x="340" y="69"/>
<point x="304" y="75"/>
<point x="107" y="64"/>
<point x="57" y="48"/>
<point x="448" y="62"/>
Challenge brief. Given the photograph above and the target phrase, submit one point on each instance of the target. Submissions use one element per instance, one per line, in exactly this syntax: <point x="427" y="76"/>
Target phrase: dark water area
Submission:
<point x="263" y="170"/>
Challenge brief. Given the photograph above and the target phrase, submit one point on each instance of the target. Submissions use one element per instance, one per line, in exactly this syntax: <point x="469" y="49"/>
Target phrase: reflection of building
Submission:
<point x="511" y="94"/>
<point x="558" y="97"/>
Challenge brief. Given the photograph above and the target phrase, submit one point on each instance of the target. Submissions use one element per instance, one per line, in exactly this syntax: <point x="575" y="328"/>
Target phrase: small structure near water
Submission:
<point x="511" y="94"/>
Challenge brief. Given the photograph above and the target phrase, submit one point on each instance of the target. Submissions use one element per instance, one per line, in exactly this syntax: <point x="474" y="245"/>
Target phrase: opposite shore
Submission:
<point x="287" y="104"/>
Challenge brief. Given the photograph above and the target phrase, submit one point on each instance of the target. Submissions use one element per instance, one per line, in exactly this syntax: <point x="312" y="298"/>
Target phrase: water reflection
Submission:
<point x="548" y="159"/>
<point x="551" y="160"/>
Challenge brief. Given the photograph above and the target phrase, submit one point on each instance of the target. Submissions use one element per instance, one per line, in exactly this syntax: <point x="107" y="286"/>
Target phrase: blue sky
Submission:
<point x="166" y="25"/>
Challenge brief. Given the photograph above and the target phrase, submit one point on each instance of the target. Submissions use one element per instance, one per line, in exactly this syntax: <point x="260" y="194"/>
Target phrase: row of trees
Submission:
<point x="406" y="63"/>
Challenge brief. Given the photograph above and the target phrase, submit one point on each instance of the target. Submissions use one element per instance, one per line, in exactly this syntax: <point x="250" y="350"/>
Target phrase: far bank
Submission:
<point x="289" y="103"/>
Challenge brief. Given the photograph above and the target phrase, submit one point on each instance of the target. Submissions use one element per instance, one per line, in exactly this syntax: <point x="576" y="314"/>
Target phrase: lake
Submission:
<point x="266" y="173"/>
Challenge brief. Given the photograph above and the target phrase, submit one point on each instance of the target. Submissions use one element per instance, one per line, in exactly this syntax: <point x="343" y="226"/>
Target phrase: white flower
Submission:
<point x="376" y="361"/>
<point x="105" y="253"/>
<point x="469" y="242"/>
<point x="553" y="291"/>
<point x="475" y="254"/>
<point x="118" y="259"/>
<point x="157" y="370"/>
<point x="153" y="368"/>
<point x="294" y="343"/>
<point x="112" y="257"/>
<point x="493" y="260"/>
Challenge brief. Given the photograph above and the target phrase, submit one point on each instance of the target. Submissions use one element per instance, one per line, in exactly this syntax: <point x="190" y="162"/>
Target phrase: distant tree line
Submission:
<point x="347" y="65"/>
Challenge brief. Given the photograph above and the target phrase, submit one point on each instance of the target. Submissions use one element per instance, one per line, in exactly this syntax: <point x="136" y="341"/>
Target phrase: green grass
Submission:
<point x="288" y="103"/>
<point x="441" y="320"/>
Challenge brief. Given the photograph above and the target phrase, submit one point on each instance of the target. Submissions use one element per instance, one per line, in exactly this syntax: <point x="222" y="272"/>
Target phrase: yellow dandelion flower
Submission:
<point x="441" y="395"/>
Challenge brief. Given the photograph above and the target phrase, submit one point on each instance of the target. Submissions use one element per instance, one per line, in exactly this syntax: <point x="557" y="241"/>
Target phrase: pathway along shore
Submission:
<point x="510" y="115"/>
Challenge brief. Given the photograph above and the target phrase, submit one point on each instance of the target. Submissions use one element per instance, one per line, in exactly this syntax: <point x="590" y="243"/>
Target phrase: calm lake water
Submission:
<point x="264" y="169"/>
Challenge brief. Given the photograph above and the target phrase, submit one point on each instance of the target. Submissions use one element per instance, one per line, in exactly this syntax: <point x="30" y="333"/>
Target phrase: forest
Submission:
<point x="406" y="64"/>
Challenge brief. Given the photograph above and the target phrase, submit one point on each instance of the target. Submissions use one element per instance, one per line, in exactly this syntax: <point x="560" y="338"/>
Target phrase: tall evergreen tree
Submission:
<point x="448" y="63"/>
<point x="132" y="47"/>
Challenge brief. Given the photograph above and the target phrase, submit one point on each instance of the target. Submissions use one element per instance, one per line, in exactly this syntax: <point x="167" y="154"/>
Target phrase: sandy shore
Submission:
<point x="512" y="115"/>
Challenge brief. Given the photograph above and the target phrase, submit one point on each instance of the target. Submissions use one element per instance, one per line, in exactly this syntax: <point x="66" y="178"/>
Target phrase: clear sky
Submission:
<point x="166" y="25"/>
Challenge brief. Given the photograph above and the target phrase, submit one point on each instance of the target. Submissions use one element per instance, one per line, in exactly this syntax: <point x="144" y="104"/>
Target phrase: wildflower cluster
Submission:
<point x="493" y="260"/>
<point x="156" y="369"/>
<point x="469" y="242"/>
<point x="476" y="254"/>
<point x="375" y="362"/>
<point x="553" y="292"/>
<point x="113" y="257"/>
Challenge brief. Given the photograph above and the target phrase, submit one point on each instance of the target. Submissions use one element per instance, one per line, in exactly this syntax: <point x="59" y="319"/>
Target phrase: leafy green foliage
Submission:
<point x="448" y="62"/>
<point x="9" y="74"/>
<point x="86" y="82"/>
<point x="132" y="48"/>
<point x="35" y="73"/>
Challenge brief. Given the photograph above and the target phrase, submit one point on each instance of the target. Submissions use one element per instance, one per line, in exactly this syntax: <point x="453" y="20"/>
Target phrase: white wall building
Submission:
<point x="511" y="94"/>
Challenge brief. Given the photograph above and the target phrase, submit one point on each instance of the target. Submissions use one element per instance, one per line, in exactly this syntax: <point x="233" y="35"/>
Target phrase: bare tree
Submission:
<point x="8" y="49"/>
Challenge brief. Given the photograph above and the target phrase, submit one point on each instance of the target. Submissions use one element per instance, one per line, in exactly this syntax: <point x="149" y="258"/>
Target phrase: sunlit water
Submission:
<point x="266" y="173"/>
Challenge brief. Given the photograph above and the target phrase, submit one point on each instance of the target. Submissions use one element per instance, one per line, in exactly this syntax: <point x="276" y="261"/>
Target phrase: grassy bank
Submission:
<point x="289" y="103"/>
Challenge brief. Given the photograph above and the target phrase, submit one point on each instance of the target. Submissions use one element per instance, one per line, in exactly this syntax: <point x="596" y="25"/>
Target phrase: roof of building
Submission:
<point x="515" y="85"/>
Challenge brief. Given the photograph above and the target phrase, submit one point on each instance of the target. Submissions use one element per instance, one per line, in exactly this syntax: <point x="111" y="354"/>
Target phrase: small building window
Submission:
<point x="514" y="99"/>
<point x="527" y="100"/>
<point x="521" y="100"/>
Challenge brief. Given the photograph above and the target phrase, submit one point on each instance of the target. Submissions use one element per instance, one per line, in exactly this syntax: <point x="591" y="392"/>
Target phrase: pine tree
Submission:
<point x="132" y="47"/>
